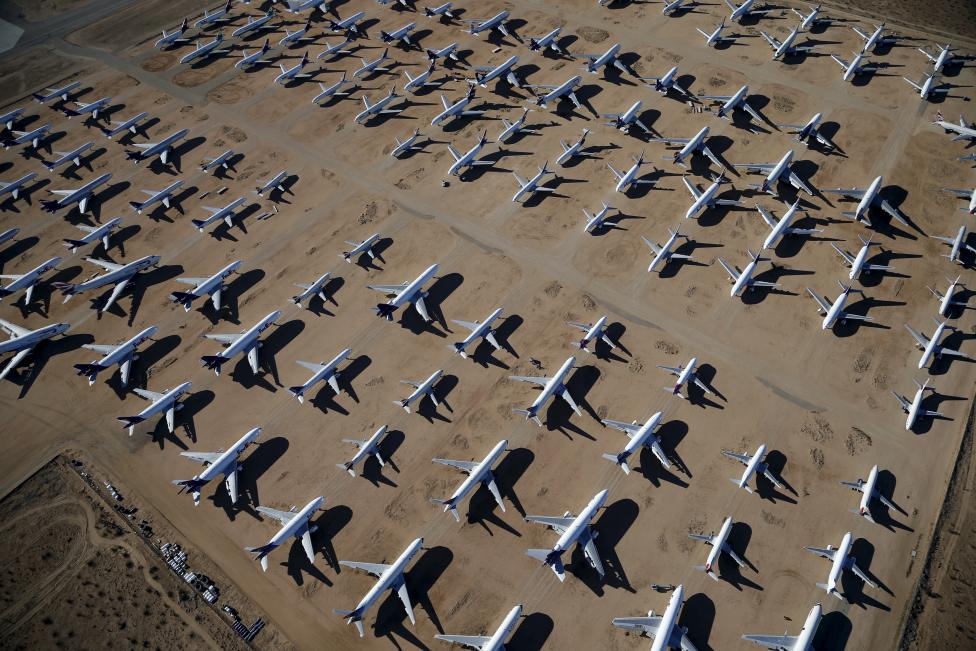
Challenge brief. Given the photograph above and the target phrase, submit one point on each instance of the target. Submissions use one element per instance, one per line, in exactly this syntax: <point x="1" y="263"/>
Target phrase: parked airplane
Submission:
<point x="479" y="330"/>
<point x="513" y="128"/>
<point x="742" y="280"/>
<point x="402" y="35"/>
<point x="931" y="347"/>
<point x="131" y="125"/>
<point x="335" y="90"/>
<point x="840" y="559"/>
<point x="597" y="221"/>
<point x="964" y="130"/>
<point x="855" y="66"/>
<point x="93" y="234"/>
<point x="597" y="62"/>
<point x="754" y="464"/>
<point x="82" y="196"/>
<point x="22" y="341"/>
<point x="945" y="300"/>
<point x="370" y="447"/>
<point x="74" y="157"/>
<point x="626" y="179"/>
<point x="214" y="17"/>
<point x="944" y="59"/>
<point x="370" y="67"/>
<point x="869" y="491"/>
<point x="247" y="342"/>
<point x="593" y="332"/>
<point x="274" y="184"/>
<point x="32" y="138"/>
<point x="407" y="292"/>
<point x="13" y="188"/>
<point x="295" y="72"/>
<point x="477" y="473"/>
<point x="731" y="102"/>
<point x="309" y="290"/>
<point x="745" y="10"/>
<point x="484" y="75"/>
<point x="547" y="42"/>
<point x="565" y="89"/>
<point x="689" y="147"/>
<point x="167" y="403"/>
<point x="663" y="253"/>
<point x="494" y="642"/>
<point x="350" y="24"/>
<point x="323" y="371"/>
<point x="715" y="37"/>
<point x="456" y="110"/>
<point x="299" y="36"/>
<point x="62" y="93"/>
<point x="333" y="51"/>
<point x="834" y="312"/>
<point x="786" y="47"/>
<point x="914" y="407"/>
<point x="801" y="642"/>
<point x="532" y="186"/>
<point x="420" y="390"/>
<point x="119" y="275"/>
<point x="673" y="6"/>
<point x="407" y="144"/>
<point x="206" y="50"/>
<point x="163" y="196"/>
<point x="570" y="151"/>
<point x="685" y="374"/>
<point x="667" y="83"/>
<point x="664" y="629"/>
<point x="449" y="51"/>
<point x="867" y="199"/>
<point x="463" y="161"/>
<point x="86" y="108"/>
<point x="256" y="24"/>
<point x="293" y="523"/>
<point x="875" y="38"/>
<point x="857" y="263"/>
<point x="551" y="386"/>
<point x="957" y="244"/>
<point x="359" y="248"/>
<point x="623" y="121"/>
<point x="782" y="227"/>
<point x="27" y="281"/>
<point x="807" y="133"/>
<point x="227" y="214"/>
<point x="151" y="149"/>
<point x="379" y="108"/>
<point x="641" y="436"/>
<point x="812" y="19"/>
<point x="965" y="194"/>
<point x="212" y="286"/>
<point x="443" y="10"/>
<point x="496" y="22"/>
<point x="255" y="59"/>
<point x="421" y="81"/>
<point x="301" y="6"/>
<point x="776" y="172"/>
<point x="927" y="88"/>
<point x="172" y="38"/>
<point x="226" y="463"/>
<point x="719" y="544"/>
<point x="572" y="530"/>
<point x="706" y="200"/>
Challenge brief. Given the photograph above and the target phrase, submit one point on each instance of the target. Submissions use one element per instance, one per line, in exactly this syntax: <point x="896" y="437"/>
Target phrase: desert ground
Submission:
<point x="820" y="400"/>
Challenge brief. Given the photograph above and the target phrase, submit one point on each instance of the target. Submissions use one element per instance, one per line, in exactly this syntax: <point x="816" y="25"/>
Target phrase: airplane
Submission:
<point x="572" y="530"/>
<point x="301" y="6"/>
<point x="402" y="35"/>
<point x="958" y="244"/>
<point x="214" y="17"/>
<point x="513" y="128"/>
<point x="484" y="75"/>
<point x="455" y="110"/>
<point x="73" y="157"/>
<point x="753" y="465"/>
<point x="914" y="407"/>
<point x="719" y="544"/>
<point x="675" y="5"/>
<point x="463" y="161"/>
<point x="312" y="289"/>
<point x="667" y="83"/>
<point x="226" y="463"/>
<point x="335" y="90"/>
<point x="254" y="59"/>
<point x="275" y="184"/>
<point x="965" y="194"/>
<point x="685" y="374"/>
<point x="689" y="147"/>
<point x="479" y="330"/>
<point x="131" y="125"/>
<point x="167" y="403"/>
<point x="119" y="275"/>
<point x="299" y="36"/>
<point x="477" y="473"/>
<point x="930" y="347"/>
<point x="332" y="51"/>
<point x="294" y="72"/>
<point x="33" y="138"/>
<point x="945" y="301"/>
<point x="834" y="312"/>
<point x="547" y="42"/>
<point x="641" y="436"/>
<point x="163" y="196"/>
<point x="87" y="108"/>
<point x="782" y="227"/>
<point x="218" y="162"/>
<point x="212" y="286"/>
<point x="421" y="389"/>
<point x="293" y="523"/>
<point x="27" y="281"/>
<point x="944" y="59"/>
<point x="532" y="185"/>
<point x="420" y="82"/>
<point x="406" y="4"/>
<point x="62" y="93"/>
<point x="715" y="37"/>
<point x="322" y="371"/>
<point x="926" y="88"/>
<point x="389" y="577"/>
<point x="255" y="24"/>
<point x="593" y="332"/>
<point x="9" y="119"/>
<point x="623" y="121"/>
<point x="745" y="10"/>
<point x="22" y="341"/>
<point x="785" y="48"/>
<point x="706" y="200"/>
<point x="840" y="560"/>
<point x="731" y="102"/>
<point x="867" y="199"/>
<point x="869" y="491"/>
<point x="93" y="234"/>
<point x="741" y="281"/>
<point x="597" y="62"/>
<point x="801" y="642"/>
<point x="854" y="67"/>
<point x="663" y="253"/>
<point x="14" y="187"/>
<point x="379" y="108"/>
<point x="350" y="24"/>
<point x="496" y="22"/>
<point x="808" y="132"/>
<point x="963" y="130"/>
<point x="569" y="151"/>
<point x="407" y="144"/>
<point x="629" y="178"/>
<point x="122" y="354"/>
<point x="246" y="342"/>
<point x="150" y="149"/>
<point x="82" y="196"/>
<point x="226" y="214"/>
<point x="366" y="246"/>
<point x="565" y="89"/>
<point x="206" y="50"/>
<point x="407" y="292"/>
<point x="857" y="263"/>
<point x="551" y="386"/>
<point x="172" y="38"/>
<point x="370" y="447"/>
<point x="664" y="629"/>
<point x="443" y="10"/>
<point x="812" y="19"/>
<point x="875" y="38"/>
<point x="597" y="221"/>
<point x="494" y="642"/>
<point x="450" y="52"/>
<point x="776" y="172"/>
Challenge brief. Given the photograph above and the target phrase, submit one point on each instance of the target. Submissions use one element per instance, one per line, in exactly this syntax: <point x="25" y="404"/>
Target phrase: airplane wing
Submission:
<point x="767" y="216"/>
<point x="376" y="569"/>
<point x="203" y="457"/>
<point x="646" y="624"/>
<point x="579" y="326"/>
<point x="857" y="317"/>
<point x="310" y="365"/>
<point x="470" y="641"/>
<point x="224" y="339"/>
<point x="564" y="394"/>
<point x="922" y="340"/>
<point x="845" y="255"/>
<point x="959" y="191"/>
<point x="773" y="42"/>
<point x="654" y="247"/>
<point x="672" y="141"/>
<point x="916" y="86"/>
<point x="847" y="192"/>
<point x="191" y="281"/>
<point x="751" y="111"/>
<point x="284" y="517"/>
<point x="628" y="428"/>
<point x="742" y="458"/>
<point x="147" y="394"/>
<point x="589" y="550"/>
<point x="840" y="61"/>
<point x="888" y="208"/>
<point x="388" y="289"/>
<point x="116" y="292"/>
<point x="470" y="325"/>
<point x="905" y="404"/>
<point x="729" y="270"/>
<point x="716" y="98"/>
<point x="774" y="642"/>
<point x="820" y="551"/>
<point x="953" y="353"/>
<point x="105" y="264"/>
<point x="824" y="305"/>
<point x="559" y="524"/>
<point x="464" y="466"/>
<point x="103" y="349"/>
<point x="759" y="167"/>
<point x="673" y="370"/>
<point x="401" y="589"/>
<point x="540" y="381"/>
<point x="305" y="531"/>
<point x="695" y="192"/>
<point x="763" y="283"/>
<point x="13" y="330"/>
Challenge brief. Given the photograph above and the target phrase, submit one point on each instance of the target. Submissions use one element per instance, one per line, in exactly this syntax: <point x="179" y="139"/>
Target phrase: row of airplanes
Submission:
<point x="572" y="529"/>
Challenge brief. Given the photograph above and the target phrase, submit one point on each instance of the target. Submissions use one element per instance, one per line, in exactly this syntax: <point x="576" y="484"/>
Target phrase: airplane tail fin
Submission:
<point x="66" y="289"/>
<point x="347" y="467"/>
<point x="352" y="617"/>
<point x="529" y="414"/>
<point x="458" y="348"/>
<point x="199" y="224"/>
<point x="262" y="553"/>
<point x="618" y="459"/>
<point x="90" y="371"/>
<point x="130" y="422"/>
<point x="449" y="506"/>
<point x="213" y="362"/>
<point x="385" y="310"/>
<point x="183" y="298"/>
<point x="299" y="393"/>
<point x="50" y="205"/>
<point x="191" y="486"/>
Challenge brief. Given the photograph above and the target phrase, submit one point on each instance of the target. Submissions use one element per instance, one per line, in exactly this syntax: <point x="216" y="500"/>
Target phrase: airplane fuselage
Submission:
<point x="580" y="522"/>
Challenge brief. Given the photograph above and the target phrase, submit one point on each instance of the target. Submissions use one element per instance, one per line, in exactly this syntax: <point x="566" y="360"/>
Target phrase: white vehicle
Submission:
<point x="494" y="642"/>
<point x="293" y="73"/>
<point x="162" y="148"/>
<point x="226" y="463"/>
<point x="214" y="17"/>
<point x="14" y="187"/>
<point x="323" y="371"/>
<point x="706" y="200"/>
<point x="685" y="374"/>
<point x="754" y="464"/>
<point x="371" y="67"/>
<point x="206" y="50"/>
<point x="62" y="93"/>
<point x="408" y="292"/>
<point x="742" y="280"/>
<point x="166" y="403"/>
<point x="593" y="332"/>
<point x="641" y="436"/>
<point x="484" y="75"/>
<point x="547" y="42"/>
<point x="957" y="244"/>
<point x="551" y="386"/>
<point x="565" y="89"/>
<point x="675" y="5"/>
<point x="350" y="24"/>
<point x="667" y="83"/>
<point x="664" y="629"/>
<point x="443" y="10"/>
<point x="334" y="51"/>
<point x="122" y="354"/>
<point x="87" y="108"/>
<point x="597" y="62"/>
<point x="597" y="221"/>
<point x="875" y="38"/>
<point x="745" y="10"/>
<point x="379" y="108"/>
<point x="455" y="110"/>
<point x="359" y="248"/>
<point x="301" y="6"/>
<point x="421" y="81"/>
<point x="449" y="51"/>
<point x="715" y="37"/>
<point x="32" y="138"/>
<point x="370" y="447"/>
<point x="299" y="36"/>
<point x="513" y="128"/>
<point x="965" y="194"/>
<point x="163" y="196"/>
<point x="623" y="121"/>
<point x="93" y="234"/>
<point x="858" y="264"/>
<point x="389" y="577"/>
<point x="690" y="146"/>
<point x="571" y="150"/>
<point x="964" y="130"/>
<point x="629" y="178"/>
<point x="801" y="642"/>
<point x="926" y="87"/>
<point x="779" y="171"/>
<point x="834" y="311"/>
<point x="572" y="530"/>
<point x="914" y="407"/>
<point x="221" y="161"/>
<point x="407" y="144"/>
<point x="116" y="274"/>
<point x="420" y="391"/>
<point x="478" y="330"/>
<point x="496" y="22"/>
<point x="22" y="341"/>
<point x="532" y="186"/>
<point x="855" y="66"/>
<point x="335" y="90"/>
<point x="275" y="184"/>
<point x="316" y="288"/>
<point x="225" y="214"/>
<point x="248" y="61"/>
<point x="402" y="35"/>
<point x="663" y="253"/>
<point x="73" y="157"/>
<point x="812" y="19"/>
<point x="172" y="38"/>
<point x="931" y="347"/>
<point x="729" y="103"/>
<point x="840" y="560"/>
<point x="866" y="200"/>
<point x="943" y="59"/>
<point x="477" y="473"/>
<point x="82" y="196"/>
<point x="212" y="286"/>
<point x="945" y="300"/>
<point x="293" y="523"/>
<point x="786" y="47"/>
<point x="719" y="543"/>
<point x="782" y="227"/>
<point x="466" y="160"/>
<point x="809" y="132"/>
<point x="131" y="125"/>
<point x="246" y="342"/>
<point x="27" y="281"/>
<point x="255" y="24"/>
<point x="869" y="491"/>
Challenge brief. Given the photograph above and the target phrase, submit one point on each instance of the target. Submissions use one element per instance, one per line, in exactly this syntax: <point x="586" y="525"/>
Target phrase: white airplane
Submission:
<point x="965" y="194"/>
<point x="706" y="200"/>
<point x="774" y="173"/>
<point x="13" y="188"/>
<point x="926" y="88"/>
<point x="420" y="390"/>
<point x="623" y="121"/>
<point x="477" y="473"/>
<point x="8" y="235"/>
<point x="309" y="290"/>
<point x="350" y="24"/>
<point x="206" y="50"/>
<point x="449" y="51"/>
<point x="131" y="125"/>
<point x="786" y="47"/>
<point x="840" y="560"/>
<point x="812" y="19"/>
<point x="301" y="6"/>
<point x="247" y="342"/>
<point x="379" y="108"/>
<point x="593" y="332"/>
<point x="513" y="128"/>
<point x="532" y="185"/>
<point x="293" y="523"/>
<point x="801" y="642"/>
<point x="226" y="463"/>
<point x="407" y="292"/>
<point x="172" y="38"/>
<point x="667" y="83"/>
<point x="299" y="36"/>
<point x="572" y="530"/>
<point x="407" y="144"/>
<point x="745" y="10"/>
<point x="834" y="312"/>
<point x="478" y="330"/>
<point x="22" y="341"/>
<point x="463" y="161"/>
<point x="715" y="37"/>
<point x="689" y="147"/>
<point x="119" y="275"/>
<point x="663" y="253"/>
<point x="370" y="447"/>
<point x="719" y="543"/>
<point x="858" y="263"/>
<point x="214" y="17"/>
<point x="294" y="72"/>
<point x="598" y="62"/>
<point x="875" y="38"/>
<point x="484" y="75"/>
<point x="226" y="214"/>
<point x="551" y="386"/>
<point x="673" y="6"/>
<point x="685" y="374"/>
<point x="255" y="24"/>
<point x="163" y="196"/>
<point x="626" y="179"/>
<point x="212" y="286"/>
<point x="494" y="642"/>
<point x="167" y="403"/>
<point x="335" y="90"/>
<point x="867" y="199"/>
<point x="27" y="281"/>
<point x="62" y="93"/>
<point x="958" y="244"/>
<point x="359" y="248"/>
<point x="421" y="81"/>
<point x="754" y="464"/>
<point x="664" y="629"/>
<point x="944" y="59"/>
<point x="274" y="184"/>
<point x="931" y="347"/>
<point x="565" y="89"/>
<point x="945" y="300"/>
<point x="87" y="108"/>
<point x="731" y="102"/>
<point x="742" y="280"/>
<point x="402" y="35"/>
<point x="333" y="51"/>
<point x="869" y="491"/>
<point x="73" y="157"/>
<point x="370" y="67"/>
<point x="782" y="227"/>
<point x="32" y="138"/>
<point x="964" y="130"/>
<point x="455" y="110"/>
<point x="496" y="22"/>
<point x="256" y="58"/>
<point x="641" y="436"/>
<point x="597" y="221"/>
<point x="808" y="132"/>
<point x="93" y="234"/>
<point x="162" y="148"/>
<point x="82" y="196"/>
<point x="389" y="577"/>
<point x="569" y="151"/>
<point x="327" y="371"/>
<point x="855" y="66"/>
<point x="441" y="10"/>
<point x="547" y="42"/>
<point x="914" y="407"/>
